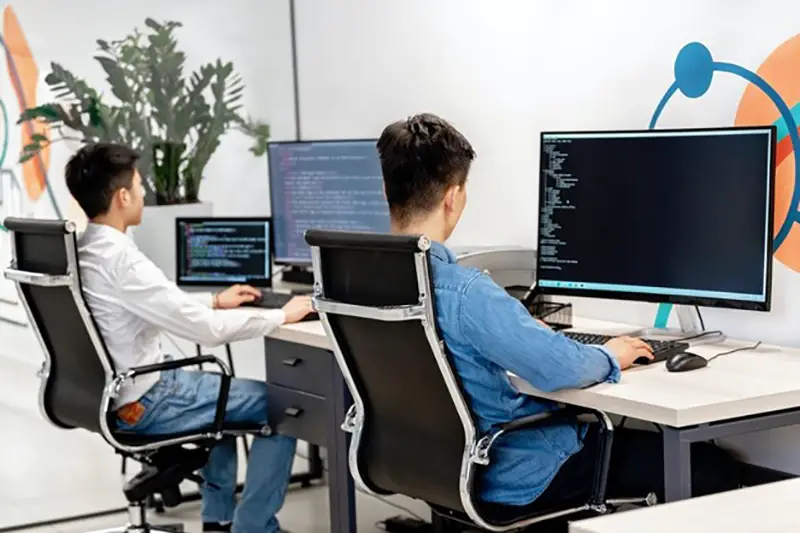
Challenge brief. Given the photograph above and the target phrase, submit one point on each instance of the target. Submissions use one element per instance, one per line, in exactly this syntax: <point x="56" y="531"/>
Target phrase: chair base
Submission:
<point x="447" y="521"/>
<point x="161" y="528"/>
<point x="137" y="522"/>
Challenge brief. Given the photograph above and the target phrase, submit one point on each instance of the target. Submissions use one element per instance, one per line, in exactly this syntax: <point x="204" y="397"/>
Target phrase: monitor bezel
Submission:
<point x="271" y="178"/>
<point x="727" y="303"/>
<point x="258" y="283"/>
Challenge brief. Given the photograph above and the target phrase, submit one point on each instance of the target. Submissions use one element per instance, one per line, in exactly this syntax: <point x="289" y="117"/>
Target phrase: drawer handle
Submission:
<point x="294" y="361"/>
<point x="293" y="412"/>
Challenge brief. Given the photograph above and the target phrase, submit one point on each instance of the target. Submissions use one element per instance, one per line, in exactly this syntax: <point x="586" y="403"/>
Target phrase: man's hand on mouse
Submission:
<point x="297" y="309"/>
<point x="233" y="297"/>
<point x="628" y="349"/>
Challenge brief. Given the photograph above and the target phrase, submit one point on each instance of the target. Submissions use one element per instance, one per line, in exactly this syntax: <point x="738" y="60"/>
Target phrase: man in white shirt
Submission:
<point x="133" y="303"/>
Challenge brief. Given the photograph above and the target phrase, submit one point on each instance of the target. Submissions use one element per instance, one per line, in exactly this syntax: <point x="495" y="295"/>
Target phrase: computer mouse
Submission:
<point x="685" y="361"/>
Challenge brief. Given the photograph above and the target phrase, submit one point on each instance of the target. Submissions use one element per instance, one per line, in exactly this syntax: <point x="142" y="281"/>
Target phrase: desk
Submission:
<point x="738" y="393"/>
<point x="307" y="399"/>
<point x="764" y="509"/>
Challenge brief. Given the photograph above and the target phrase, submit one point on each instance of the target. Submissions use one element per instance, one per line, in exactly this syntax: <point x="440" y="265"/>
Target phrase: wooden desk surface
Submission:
<point x="764" y="509"/>
<point x="739" y="384"/>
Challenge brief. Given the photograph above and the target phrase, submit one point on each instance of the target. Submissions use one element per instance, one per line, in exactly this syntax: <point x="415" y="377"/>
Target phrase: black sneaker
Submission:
<point x="216" y="527"/>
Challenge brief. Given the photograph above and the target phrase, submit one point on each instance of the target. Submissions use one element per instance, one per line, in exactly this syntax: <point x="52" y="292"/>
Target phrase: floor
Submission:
<point x="48" y="473"/>
<point x="305" y="511"/>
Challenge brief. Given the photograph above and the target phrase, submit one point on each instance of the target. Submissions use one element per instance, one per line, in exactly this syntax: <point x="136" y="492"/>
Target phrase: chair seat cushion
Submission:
<point x="130" y="438"/>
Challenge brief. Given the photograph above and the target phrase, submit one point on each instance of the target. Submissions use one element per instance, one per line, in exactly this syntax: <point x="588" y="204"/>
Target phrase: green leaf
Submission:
<point x="32" y="147"/>
<point x="39" y="138"/>
<point x="26" y="156"/>
<point x="46" y="112"/>
<point x="116" y="78"/>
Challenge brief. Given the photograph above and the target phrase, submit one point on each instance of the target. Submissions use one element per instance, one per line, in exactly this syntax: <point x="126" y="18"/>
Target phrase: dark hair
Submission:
<point x="97" y="172"/>
<point x="420" y="158"/>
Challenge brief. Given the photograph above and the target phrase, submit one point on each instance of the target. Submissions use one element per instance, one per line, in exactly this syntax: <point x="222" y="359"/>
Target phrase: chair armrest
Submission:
<point x="484" y="445"/>
<point x="224" y="387"/>
<point x="480" y="454"/>
<point x="171" y="365"/>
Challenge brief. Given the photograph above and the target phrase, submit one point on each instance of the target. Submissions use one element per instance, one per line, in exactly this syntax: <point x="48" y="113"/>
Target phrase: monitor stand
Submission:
<point x="299" y="275"/>
<point x="690" y="325"/>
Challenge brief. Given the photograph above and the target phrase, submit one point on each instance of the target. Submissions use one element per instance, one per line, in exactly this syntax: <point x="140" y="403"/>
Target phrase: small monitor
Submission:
<point x="224" y="251"/>
<point x="676" y="216"/>
<point x="334" y="185"/>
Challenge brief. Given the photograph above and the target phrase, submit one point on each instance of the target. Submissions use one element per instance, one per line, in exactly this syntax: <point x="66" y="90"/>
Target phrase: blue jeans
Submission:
<point x="185" y="401"/>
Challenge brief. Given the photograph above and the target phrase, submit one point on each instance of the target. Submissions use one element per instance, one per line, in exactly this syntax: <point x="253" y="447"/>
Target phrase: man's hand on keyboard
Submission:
<point x="628" y="349"/>
<point x="297" y="309"/>
<point x="233" y="297"/>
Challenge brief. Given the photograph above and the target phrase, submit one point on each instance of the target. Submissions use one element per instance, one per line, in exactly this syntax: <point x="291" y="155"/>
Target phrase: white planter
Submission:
<point x="155" y="236"/>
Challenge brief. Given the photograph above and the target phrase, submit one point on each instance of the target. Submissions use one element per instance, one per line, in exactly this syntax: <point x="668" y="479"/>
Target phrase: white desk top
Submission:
<point x="309" y="333"/>
<point x="734" y="385"/>
<point x="739" y="384"/>
<point x="765" y="509"/>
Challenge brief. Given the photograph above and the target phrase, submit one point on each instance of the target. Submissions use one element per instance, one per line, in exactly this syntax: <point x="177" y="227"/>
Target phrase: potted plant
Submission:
<point x="175" y="121"/>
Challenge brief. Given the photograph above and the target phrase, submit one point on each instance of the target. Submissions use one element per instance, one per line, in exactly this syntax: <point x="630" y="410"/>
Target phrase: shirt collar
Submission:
<point x="442" y="252"/>
<point x="106" y="231"/>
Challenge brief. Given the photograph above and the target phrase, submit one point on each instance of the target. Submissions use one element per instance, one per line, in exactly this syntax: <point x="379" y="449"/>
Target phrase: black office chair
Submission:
<point x="79" y="381"/>
<point x="412" y="431"/>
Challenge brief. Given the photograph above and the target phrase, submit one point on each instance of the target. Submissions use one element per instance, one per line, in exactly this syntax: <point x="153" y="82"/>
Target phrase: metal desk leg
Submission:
<point x="341" y="492"/>
<point x="677" y="466"/>
<point x="316" y="470"/>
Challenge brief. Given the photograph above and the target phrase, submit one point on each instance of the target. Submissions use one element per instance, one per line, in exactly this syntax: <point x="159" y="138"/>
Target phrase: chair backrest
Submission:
<point x="375" y="299"/>
<point x="45" y="269"/>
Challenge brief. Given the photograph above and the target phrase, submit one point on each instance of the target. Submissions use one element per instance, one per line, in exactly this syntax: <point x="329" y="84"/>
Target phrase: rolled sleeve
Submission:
<point x="616" y="372"/>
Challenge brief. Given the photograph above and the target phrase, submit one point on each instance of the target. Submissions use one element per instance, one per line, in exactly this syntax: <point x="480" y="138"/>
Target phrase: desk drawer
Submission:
<point x="296" y="366"/>
<point x="297" y="414"/>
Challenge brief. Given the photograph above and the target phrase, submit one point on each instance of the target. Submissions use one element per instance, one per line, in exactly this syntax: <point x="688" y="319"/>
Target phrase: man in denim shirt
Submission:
<point x="425" y="163"/>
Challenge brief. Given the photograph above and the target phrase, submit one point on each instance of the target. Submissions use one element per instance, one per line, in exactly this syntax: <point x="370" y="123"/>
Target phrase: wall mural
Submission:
<point x="21" y="186"/>
<point x="772" y="96"/>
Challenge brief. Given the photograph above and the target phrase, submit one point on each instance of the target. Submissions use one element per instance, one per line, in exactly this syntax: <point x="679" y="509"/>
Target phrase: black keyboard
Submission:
<point x="272" y="300"/>
<point x="662" y="350"/>
<point x="276" y="300"/>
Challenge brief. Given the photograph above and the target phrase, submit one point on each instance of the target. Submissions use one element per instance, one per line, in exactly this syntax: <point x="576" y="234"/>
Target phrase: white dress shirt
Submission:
<point x="133" y="302"/>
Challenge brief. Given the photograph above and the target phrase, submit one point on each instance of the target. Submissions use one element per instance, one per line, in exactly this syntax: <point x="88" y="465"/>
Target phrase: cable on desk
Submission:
<point x="700" y="316"/>
<point x="699" y="335"/>
<point x="742" y="349"/>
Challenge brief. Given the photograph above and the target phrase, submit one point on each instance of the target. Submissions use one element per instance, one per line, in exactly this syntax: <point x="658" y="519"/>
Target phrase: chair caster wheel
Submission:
<point x="156" y="504"/>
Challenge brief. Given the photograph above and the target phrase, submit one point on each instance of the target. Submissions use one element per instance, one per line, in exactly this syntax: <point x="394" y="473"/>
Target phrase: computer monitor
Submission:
<point x="674" y="216"/>
<point x="223" y="251"/>
<point x="323" y="185"/>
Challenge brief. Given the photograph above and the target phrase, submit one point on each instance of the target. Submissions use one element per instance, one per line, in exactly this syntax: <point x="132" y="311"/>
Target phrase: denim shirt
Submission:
<point x="488" y="333"/>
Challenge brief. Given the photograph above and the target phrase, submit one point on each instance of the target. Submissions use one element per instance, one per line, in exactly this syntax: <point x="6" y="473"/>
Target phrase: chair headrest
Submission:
<point x="367" y="241"/>
<point x="39" y="226"/>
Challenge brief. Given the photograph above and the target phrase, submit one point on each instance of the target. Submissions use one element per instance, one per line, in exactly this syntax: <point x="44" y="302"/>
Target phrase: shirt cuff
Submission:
<point x="616" y="372"/>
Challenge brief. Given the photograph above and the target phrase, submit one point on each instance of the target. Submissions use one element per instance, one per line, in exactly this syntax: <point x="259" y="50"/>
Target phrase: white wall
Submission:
<point x="504" y="71"/>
